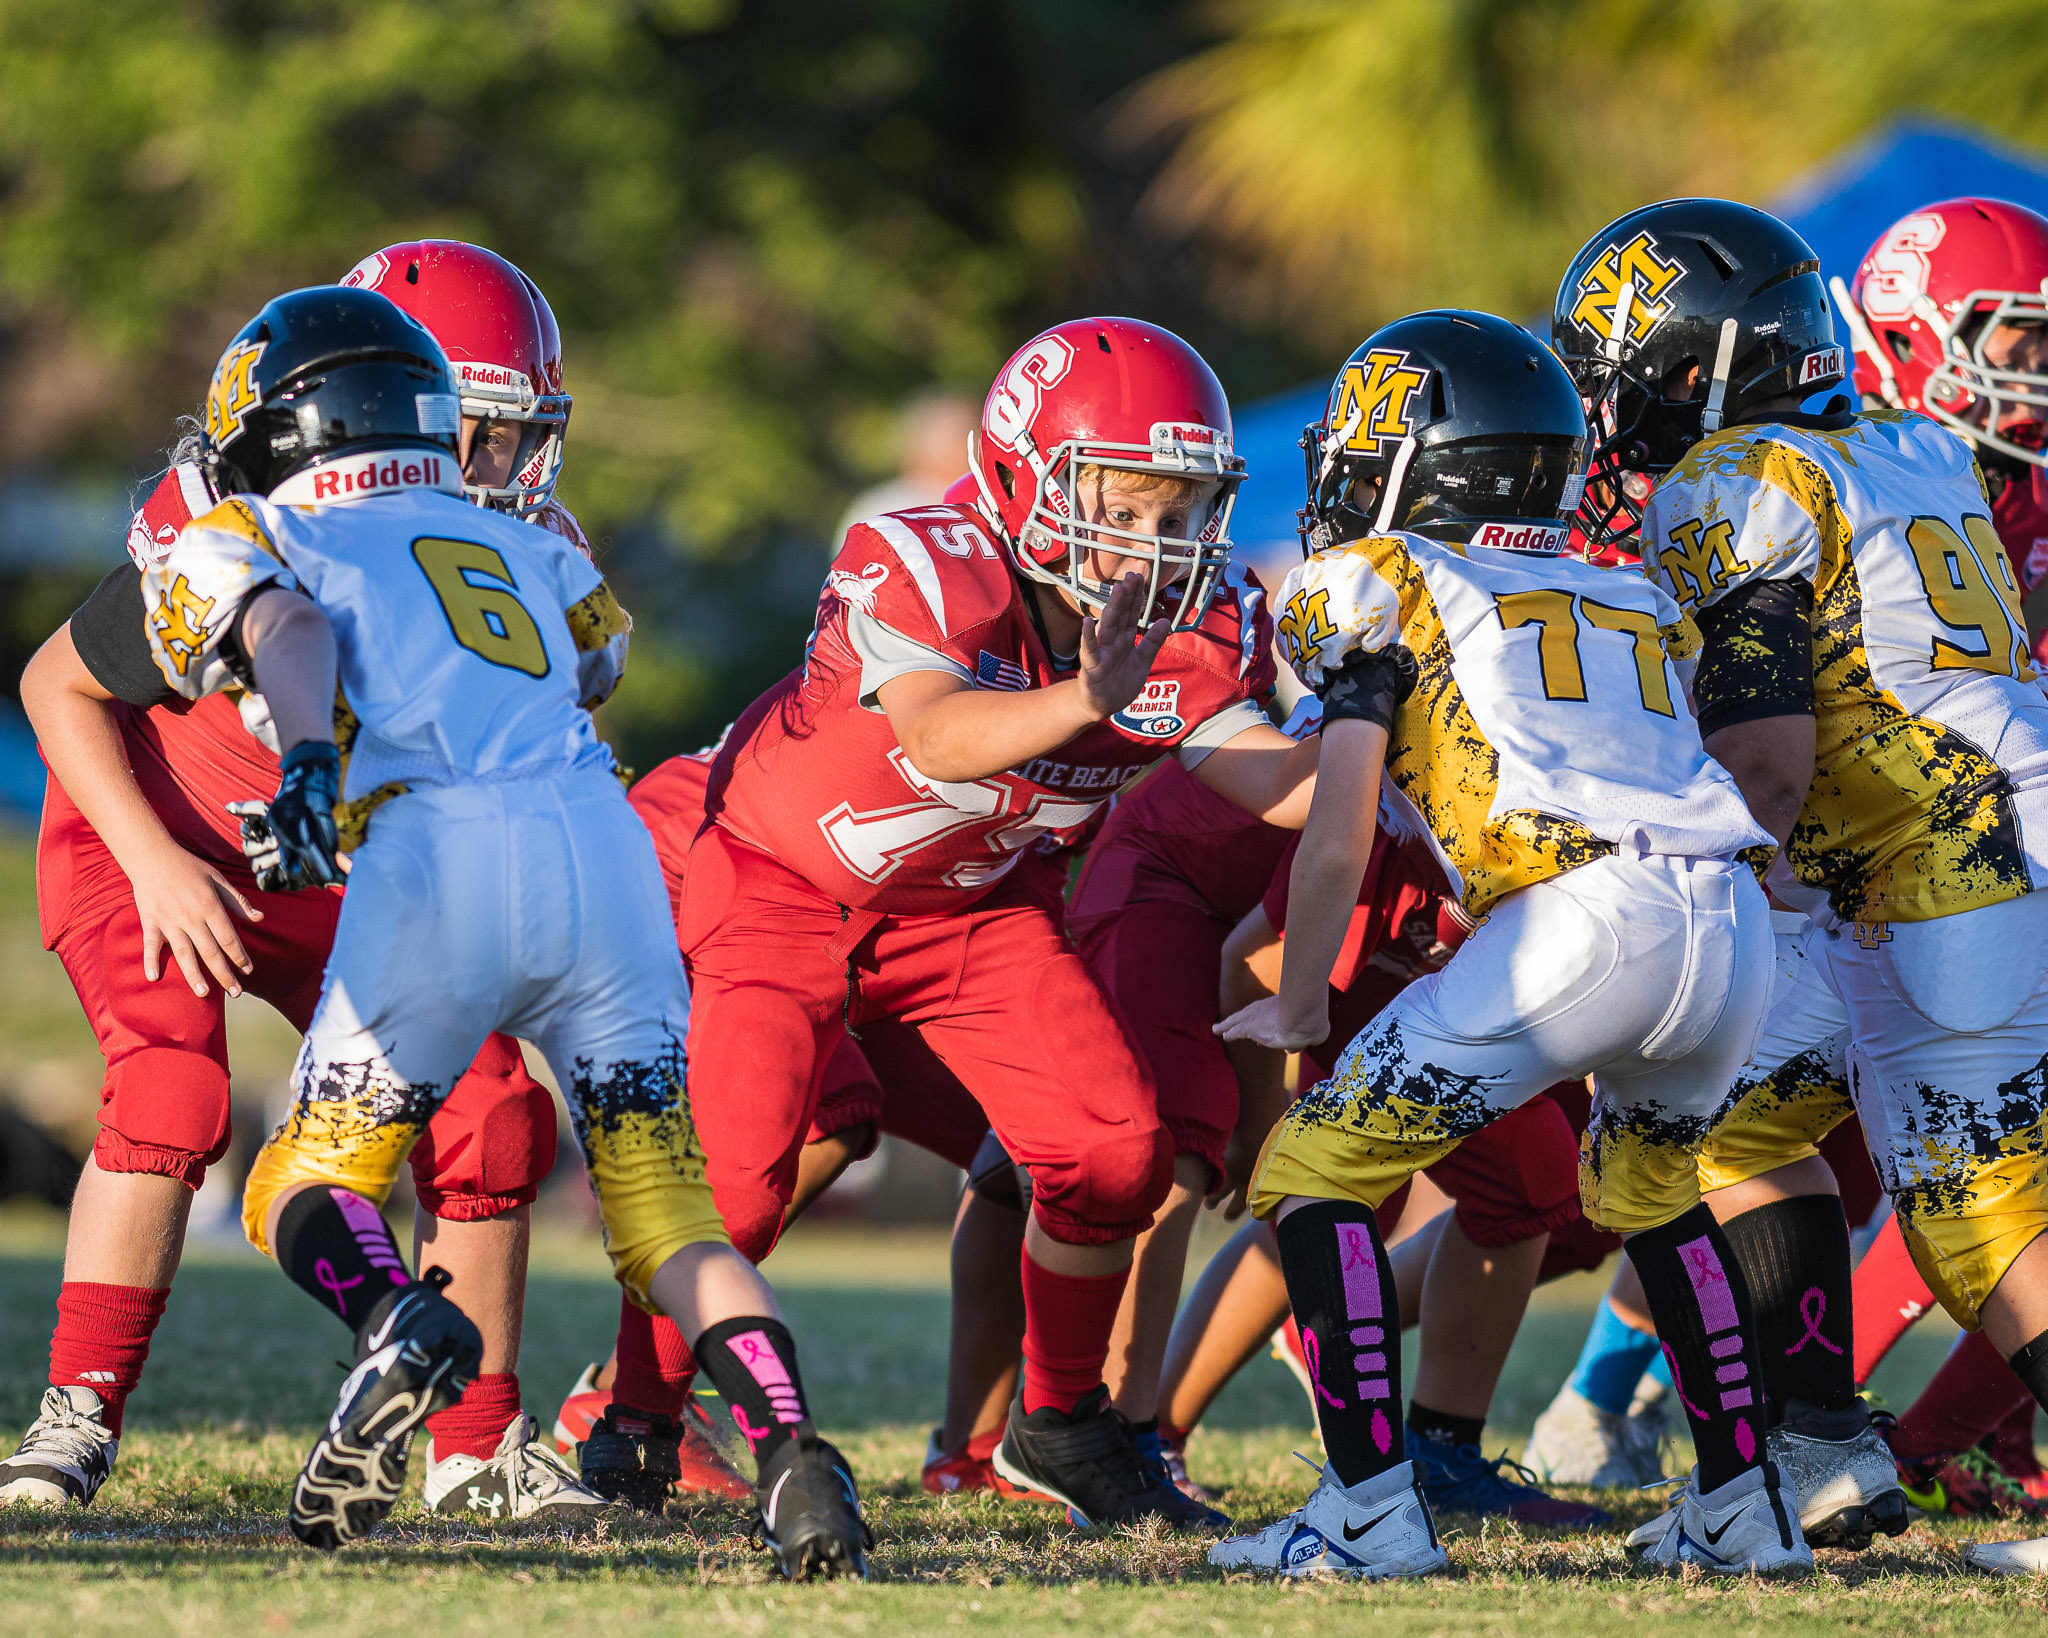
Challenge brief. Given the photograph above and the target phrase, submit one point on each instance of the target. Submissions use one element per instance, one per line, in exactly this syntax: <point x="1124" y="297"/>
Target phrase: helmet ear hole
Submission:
<point x="1901" y="345"/>
<point x="1008" y="480"/>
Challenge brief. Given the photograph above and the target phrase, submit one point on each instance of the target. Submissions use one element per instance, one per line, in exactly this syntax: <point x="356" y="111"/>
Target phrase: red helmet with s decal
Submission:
<point x="500" y="335"/>
<point x="1120" y="394"/>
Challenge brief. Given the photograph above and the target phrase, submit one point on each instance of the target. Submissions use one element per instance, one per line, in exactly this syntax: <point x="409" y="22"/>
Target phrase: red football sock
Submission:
<point x="1889" y="1296"/>
<point x="1067" y="1321"/>
<point x="1973" y="1392"/>
<point x="474" y="1424"/>
<point x="656" y="1369"/>
<point x="101" y="1340"/>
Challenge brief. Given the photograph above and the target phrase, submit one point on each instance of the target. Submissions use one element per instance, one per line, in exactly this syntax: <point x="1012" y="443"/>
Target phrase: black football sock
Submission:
<point x="2030" y="1365"/>
<point x="1443" y="1427"/>
<point x="1342" y="1292"/>
<point x="1794" y="1254"/>
<point x="752" y="1362"/>
<point x="1701" y="1305"/>
<point x="338" y="1249"/>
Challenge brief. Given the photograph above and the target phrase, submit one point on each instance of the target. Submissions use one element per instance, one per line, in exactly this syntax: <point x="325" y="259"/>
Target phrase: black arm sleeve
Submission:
<point x="1758" y="656"/>
<point x="110" y="638"/>
<point x="1369" y="687"/>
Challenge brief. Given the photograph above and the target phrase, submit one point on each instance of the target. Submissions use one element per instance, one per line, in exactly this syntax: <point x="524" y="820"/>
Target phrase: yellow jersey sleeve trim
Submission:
<point x="238" y="518"/>
<point x="596" y="619"/>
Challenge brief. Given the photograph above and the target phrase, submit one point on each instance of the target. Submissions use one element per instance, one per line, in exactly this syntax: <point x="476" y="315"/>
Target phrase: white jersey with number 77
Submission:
<point x="470" y="645"/>
<point x="1547" y="723"/>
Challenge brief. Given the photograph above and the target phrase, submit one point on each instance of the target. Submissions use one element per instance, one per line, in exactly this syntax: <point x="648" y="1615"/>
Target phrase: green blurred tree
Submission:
<point x="761" y="223"/>
<point x="1356" y="159"/>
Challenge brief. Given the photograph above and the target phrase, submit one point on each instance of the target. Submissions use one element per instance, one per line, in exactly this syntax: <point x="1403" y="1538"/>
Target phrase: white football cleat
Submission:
<point x="1742" y="1527"/>
<point x="65" y="1457"/>
<point x="2008" y="1557"/>
<point x="1576" y="1442"/>
<point x="523" y="1480"/>
<point x="1841" y="1474"/>
<point x="1373" y="1531"/>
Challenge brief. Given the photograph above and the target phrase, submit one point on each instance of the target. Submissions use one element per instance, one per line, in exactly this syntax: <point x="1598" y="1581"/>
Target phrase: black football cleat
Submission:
<point x="1088" y="1463"/>
<point x="414" y="1355"/>
<point x="810" y="1510"/>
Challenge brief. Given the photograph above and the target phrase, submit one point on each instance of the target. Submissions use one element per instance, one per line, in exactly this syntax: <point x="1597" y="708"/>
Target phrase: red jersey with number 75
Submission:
<point x="821" y="783"/>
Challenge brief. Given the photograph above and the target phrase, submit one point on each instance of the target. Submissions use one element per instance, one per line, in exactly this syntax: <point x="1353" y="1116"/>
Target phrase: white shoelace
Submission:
<point x="65" y="1436"/>
<point x="532" y="1471"/>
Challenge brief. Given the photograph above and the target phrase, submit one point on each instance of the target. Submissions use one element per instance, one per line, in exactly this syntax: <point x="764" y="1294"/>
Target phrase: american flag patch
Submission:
<point x="991" y="672"/>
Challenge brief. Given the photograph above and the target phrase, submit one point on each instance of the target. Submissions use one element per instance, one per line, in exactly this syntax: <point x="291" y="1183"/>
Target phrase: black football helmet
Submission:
<point x="1441" y="423"/>
<point x="320" y="371"/>
<point x="1689" y="282"/>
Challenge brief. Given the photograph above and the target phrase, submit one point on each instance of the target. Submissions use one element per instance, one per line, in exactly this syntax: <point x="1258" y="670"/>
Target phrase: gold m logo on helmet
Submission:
<point x="1375" y="401"/>
<point x="233" y="392"/>
<point x="1635" y="263"/>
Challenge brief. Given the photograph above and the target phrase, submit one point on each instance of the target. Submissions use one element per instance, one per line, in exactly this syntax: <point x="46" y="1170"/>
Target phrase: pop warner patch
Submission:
<point x="1155" y="713"/>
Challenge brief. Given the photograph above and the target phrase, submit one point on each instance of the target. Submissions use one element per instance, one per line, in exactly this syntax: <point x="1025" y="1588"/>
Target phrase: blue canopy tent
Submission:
<point x="1840" y="208"/>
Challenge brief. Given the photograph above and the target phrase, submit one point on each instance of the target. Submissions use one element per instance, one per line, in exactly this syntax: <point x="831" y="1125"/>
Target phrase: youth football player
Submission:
<point x="1867" y="678"/>
<point x="500" y="880"/>
<point x="1524" y="706"/>
<point x="982" y="677"/>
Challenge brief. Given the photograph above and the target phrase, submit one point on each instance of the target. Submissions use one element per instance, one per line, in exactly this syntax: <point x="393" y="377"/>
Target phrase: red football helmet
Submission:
<point x="495" y="326"/>
<point x="1929" y="295"/>
<point x="1118" y="393"/>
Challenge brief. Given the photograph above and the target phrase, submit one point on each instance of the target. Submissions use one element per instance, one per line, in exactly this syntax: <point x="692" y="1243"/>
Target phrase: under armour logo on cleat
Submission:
<point x="480" y="1503"/>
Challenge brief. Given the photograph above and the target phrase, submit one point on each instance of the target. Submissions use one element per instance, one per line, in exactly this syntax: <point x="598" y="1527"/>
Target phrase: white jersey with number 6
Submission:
<point x="1547" y="724"/>
<point x="469" y="644"/>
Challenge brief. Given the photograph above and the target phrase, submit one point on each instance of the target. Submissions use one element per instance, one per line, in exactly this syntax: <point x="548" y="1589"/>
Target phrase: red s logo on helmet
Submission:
<point x="1013" y="401"/>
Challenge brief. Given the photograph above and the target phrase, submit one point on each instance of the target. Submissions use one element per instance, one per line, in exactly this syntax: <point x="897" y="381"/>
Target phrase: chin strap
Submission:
<point x="1397" y="473"/>
<point x="1862" y="339"/>
<point x="1717" y="393"/>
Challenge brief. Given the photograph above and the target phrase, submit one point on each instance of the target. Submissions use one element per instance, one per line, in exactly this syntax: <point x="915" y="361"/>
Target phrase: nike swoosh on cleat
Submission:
<point x="1714" y="1536"/>
<point x="1370" y="1524"/>
<point x="775" y="1495"/>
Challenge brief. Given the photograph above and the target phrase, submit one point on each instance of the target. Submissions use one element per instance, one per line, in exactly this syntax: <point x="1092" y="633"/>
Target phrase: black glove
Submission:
<point x="291" y="842"/>
<point x="1369" y="687"/>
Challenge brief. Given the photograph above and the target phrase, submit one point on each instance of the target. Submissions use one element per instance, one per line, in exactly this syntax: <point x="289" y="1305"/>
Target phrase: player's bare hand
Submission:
<point x="1266" y="1021"/>
<point x="1116" y="653"/>
<point x="189" y="909"/>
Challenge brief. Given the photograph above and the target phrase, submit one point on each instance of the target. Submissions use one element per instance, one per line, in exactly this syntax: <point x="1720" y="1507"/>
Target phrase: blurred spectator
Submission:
<point x="932" y="450"/>
<point x="33" y="1163"/>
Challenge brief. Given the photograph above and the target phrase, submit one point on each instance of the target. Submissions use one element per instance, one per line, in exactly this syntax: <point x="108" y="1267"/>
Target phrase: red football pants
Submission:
<point x="778" y="971"/>
<point x="164" y="1107"/>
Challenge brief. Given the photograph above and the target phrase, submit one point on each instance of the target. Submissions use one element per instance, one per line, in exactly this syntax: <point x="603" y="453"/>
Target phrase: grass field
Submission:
<point x="189" y="1535"/>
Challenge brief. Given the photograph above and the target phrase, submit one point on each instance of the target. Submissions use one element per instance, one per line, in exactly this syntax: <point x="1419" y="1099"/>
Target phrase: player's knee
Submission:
<point x="752" y="1219"/>
<point x="1628" y="1187"/>
<point x="164" y="1113"/>
<point x="1965" y="1240"/>
<point x="1107" y="1191"/>
<point x="488" y="1150"/>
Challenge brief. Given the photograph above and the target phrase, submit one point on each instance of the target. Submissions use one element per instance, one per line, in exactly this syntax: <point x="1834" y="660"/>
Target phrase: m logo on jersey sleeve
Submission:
<point x="1374" y="405"/>
<point x="1634" y="264"/>
<point x="232" y="393"/>
<point x="1305" y="625"/>
<point x="180" y="622"/>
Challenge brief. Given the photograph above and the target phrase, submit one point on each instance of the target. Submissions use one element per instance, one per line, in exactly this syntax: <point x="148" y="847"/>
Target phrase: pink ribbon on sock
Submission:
<point x="1813" y="1308"/>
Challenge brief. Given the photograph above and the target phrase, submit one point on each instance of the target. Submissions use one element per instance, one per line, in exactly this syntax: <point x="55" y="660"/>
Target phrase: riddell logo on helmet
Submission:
<point x="1525" y="537"/>
<point x="1826" y="361"/>
<point x="1189" y="442"/>
<point x="378" y="473"/>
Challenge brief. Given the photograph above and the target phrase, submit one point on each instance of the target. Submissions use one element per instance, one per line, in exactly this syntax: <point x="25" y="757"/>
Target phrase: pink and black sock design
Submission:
<point x="752" y="1362"/>
<point x="1341" y="1288"/>
<point x="1700" y="1302"/>
<point x="1794" y="1255"/>
<point x="338" y="1249"/>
